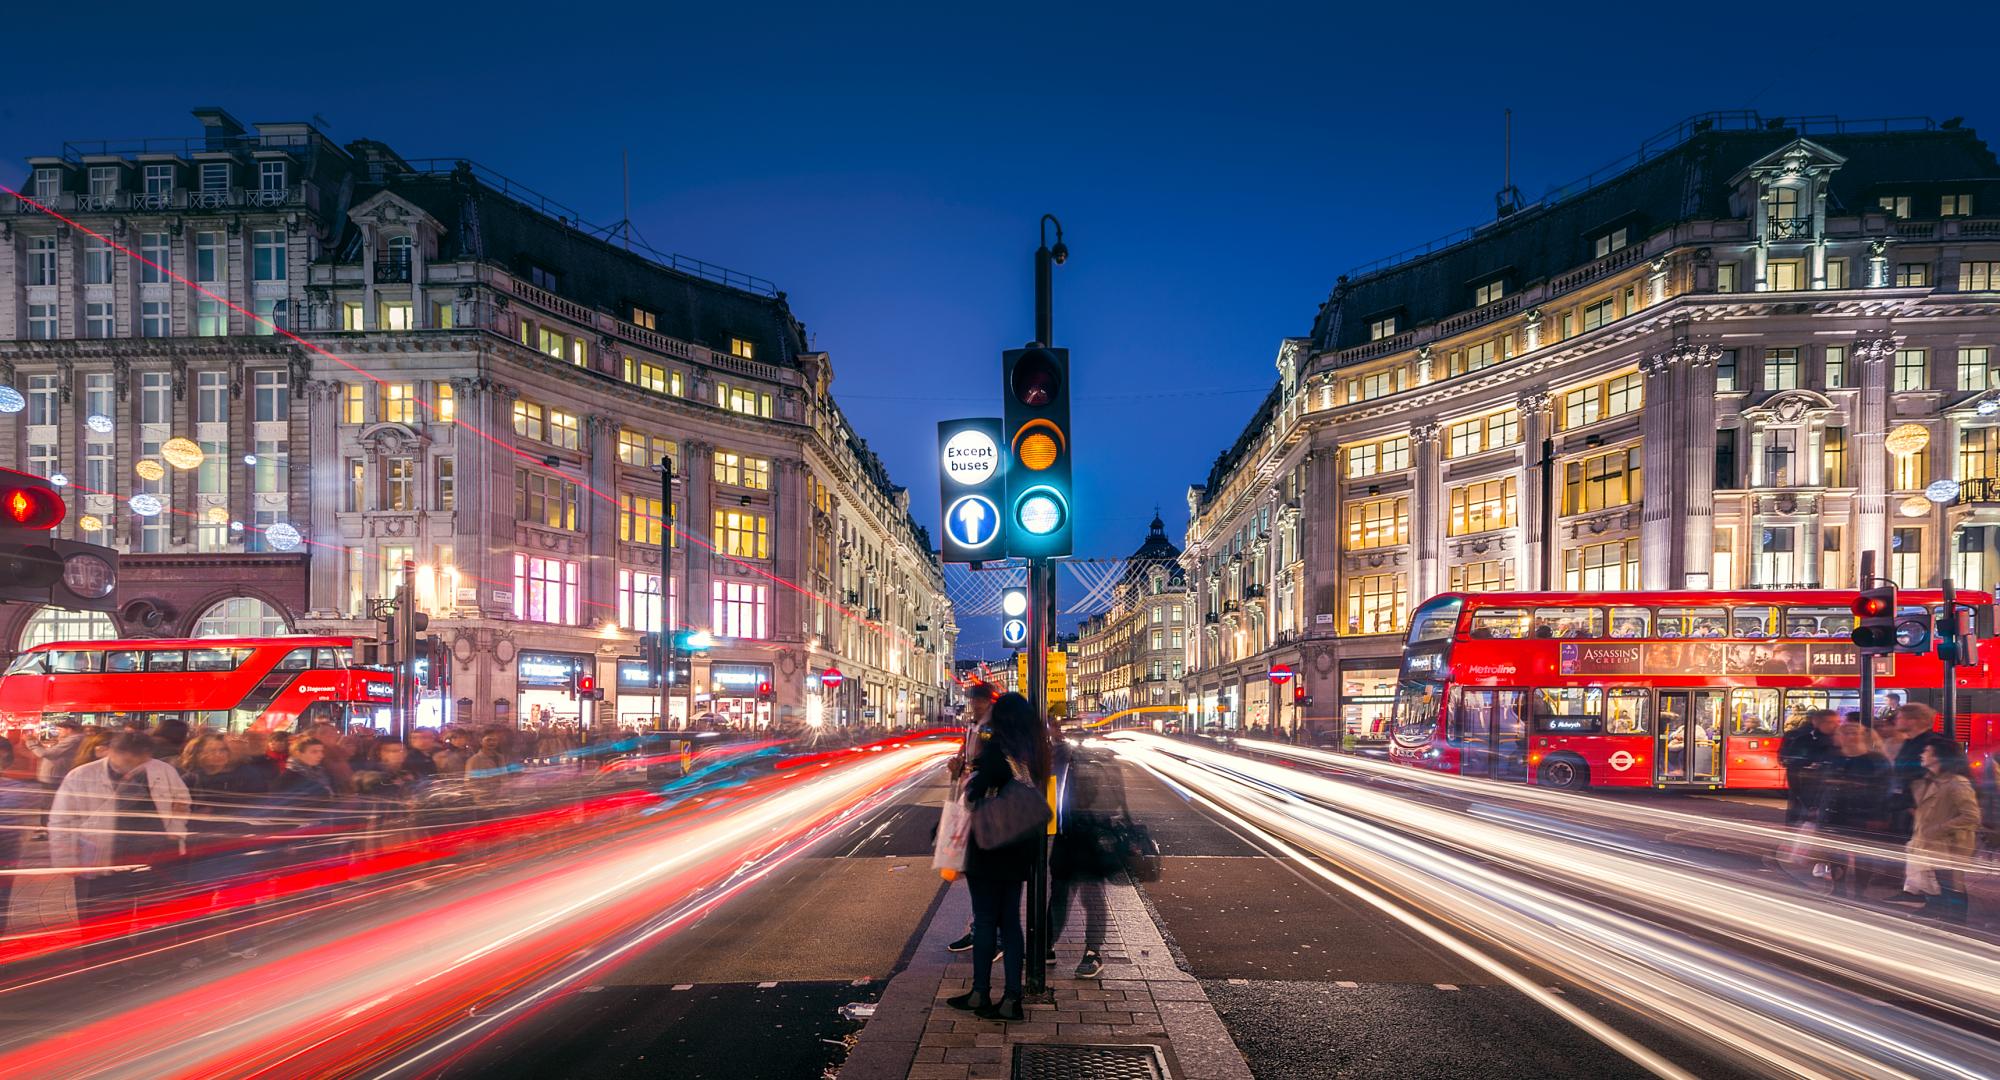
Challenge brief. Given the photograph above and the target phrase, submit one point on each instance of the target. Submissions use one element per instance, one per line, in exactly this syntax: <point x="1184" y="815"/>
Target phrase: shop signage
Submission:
<point x="831" y="678"/>
<point x="1323" y="620"/>
<point x="1280" y="673"/>
<point x="503" y="596"/>
<point x="548" y="669"/>
<point x="741" y="679"/>
<point x="632" y="675"/>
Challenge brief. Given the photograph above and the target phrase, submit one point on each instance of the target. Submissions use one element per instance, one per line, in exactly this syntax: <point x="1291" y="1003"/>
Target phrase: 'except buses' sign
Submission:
<point x="1711" y="658"/>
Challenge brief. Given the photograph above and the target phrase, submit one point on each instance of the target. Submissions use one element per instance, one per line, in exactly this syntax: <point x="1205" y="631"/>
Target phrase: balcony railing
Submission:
<point x="153" y="200"/>
<point x="1211" y="618"/>
<point x="392" y="272"/>
<point x="268" y="196"/>
<point x="97" y="202"/>
<point x="1978" y="491"/>
<point x="1791" y="228"/>
<point x="210" y="200"/>
<point x="1253" y="592"/>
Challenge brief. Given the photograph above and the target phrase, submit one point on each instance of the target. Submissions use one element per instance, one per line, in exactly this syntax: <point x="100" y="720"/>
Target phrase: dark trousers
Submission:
<point x="1090" y="893"/>
<point x="996" y="914"/>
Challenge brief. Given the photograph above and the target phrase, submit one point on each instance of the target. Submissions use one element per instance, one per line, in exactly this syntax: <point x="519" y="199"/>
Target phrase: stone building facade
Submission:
<point x="1133" y="652"/>
<point x="1752" y="351"/>
<point x="492" y="390"/>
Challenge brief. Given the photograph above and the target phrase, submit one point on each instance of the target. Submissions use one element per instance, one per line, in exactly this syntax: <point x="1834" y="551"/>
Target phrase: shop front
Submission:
<point x="541" y="683"/>
<point x="638" y="705"/>
<point x="1367" y="696"/>
<point x="738" y="695"/>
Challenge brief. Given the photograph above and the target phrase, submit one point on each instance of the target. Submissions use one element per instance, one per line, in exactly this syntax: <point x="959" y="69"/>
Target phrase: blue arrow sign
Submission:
<point x="1014" y="632"/>
<point x="973" y="521"/>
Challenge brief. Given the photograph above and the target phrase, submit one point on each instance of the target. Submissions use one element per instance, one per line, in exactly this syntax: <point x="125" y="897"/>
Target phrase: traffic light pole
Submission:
<point x="1949" y="654"/>
<point x="1867" y="660"/>
<point x="1041" y="632"/>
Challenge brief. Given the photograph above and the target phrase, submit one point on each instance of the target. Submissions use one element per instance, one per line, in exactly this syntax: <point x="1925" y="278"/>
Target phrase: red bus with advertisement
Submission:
<point x="230" y="684"/>
<point x="1655" y="689"/>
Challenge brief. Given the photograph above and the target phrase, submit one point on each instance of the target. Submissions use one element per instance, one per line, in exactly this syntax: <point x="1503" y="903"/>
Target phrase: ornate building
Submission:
<point x="497" y="388"/>
<point x="1754" y="351"/>
<point x="1133" y="652"/>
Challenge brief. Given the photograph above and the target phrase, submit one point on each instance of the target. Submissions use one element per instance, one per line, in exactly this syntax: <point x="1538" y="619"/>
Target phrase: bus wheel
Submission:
<point x="1564" y="772"/>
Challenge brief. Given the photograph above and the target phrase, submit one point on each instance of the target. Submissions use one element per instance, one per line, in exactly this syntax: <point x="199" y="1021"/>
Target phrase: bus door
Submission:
<point x="1687" y="747"/>
<point x="1492" y="730"/>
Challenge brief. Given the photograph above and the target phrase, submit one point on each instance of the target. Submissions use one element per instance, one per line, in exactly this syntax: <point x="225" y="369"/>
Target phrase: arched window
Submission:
<point x="241" y="616"/>
<point x="401" y="249"/>
<point x="61" y="624"/>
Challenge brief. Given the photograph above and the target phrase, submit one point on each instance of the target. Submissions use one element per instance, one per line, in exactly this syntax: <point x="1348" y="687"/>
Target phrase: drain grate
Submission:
<point x="1077" y="1061"/>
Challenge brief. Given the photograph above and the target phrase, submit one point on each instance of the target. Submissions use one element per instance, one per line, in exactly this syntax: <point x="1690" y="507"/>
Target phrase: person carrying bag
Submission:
<point x="1008" y="816"/>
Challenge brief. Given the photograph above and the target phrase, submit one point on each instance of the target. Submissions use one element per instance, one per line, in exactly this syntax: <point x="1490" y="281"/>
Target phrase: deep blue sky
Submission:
<point x="1215" y="168"/>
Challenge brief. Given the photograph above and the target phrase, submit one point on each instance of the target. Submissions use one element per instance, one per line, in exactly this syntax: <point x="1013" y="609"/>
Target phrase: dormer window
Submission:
<point x="1954" y="206"/>
<point x="159" y="181"/>
<point x="214" y="177"/>
<point x="1609" y="242"/>
<point x="103" y="181"/>
<point x="541" y="277"/>
<point x="1896" y="206"/>
<point x="1489" y="292"/>
<point x="271" y="176"/>
<point x="1384" y="327"/>
<point x="1786" y="219"/>
<point x="48" y="185"/>
<point x="645" y="319"/>
<point x="742" y="348"/>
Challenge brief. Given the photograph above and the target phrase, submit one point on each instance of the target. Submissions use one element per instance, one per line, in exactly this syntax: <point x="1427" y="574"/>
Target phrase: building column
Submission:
<point x="1659" y="512"/>
<point x="1697" y="469"/>
<point x="1871" y="459"/>
<point x="1537" y="409"/>
<point x="1427" y="514"/>
<point x="791" y="538"/>
<point x="600" y="572"/>
<point x="326" y="584"/>
<point x="695" y="479"/>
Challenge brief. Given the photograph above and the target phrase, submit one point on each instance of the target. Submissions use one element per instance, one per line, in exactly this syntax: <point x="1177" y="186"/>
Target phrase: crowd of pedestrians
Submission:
<point x="1897" y="782"/>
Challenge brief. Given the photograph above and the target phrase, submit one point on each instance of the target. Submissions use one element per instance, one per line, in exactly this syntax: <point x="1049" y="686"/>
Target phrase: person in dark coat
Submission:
<point x="995" y="876"/>
<point x="305" y="775"/>
<point x="1854" y="804"/>
<point x="1086" y="849"/>
<point x="1804" y="751"/>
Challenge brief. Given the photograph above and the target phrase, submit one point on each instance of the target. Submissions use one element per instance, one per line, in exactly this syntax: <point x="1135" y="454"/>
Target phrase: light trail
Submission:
<point x="1755" y="974"/>
<point x="391" y="985"/>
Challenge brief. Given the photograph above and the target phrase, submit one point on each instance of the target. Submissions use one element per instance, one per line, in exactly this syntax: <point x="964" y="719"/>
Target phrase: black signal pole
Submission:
<point x="1041" y="632"/>
<point x="1867" y="662"/>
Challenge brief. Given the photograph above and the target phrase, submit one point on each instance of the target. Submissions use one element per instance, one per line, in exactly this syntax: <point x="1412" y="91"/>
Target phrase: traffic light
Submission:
<point x="652" y="656"/>
<point x="1036" y="395"/>
<point x="764" y="690"/>
<point x="1957" y="637"/>
<point x="582" y="686"/>
<point x="692" y="641"/>
<point x="38" y="568"/>
<point x="1014" y="617"/>
<point x="431" y="661"/>
<point x="1875" y="621"/>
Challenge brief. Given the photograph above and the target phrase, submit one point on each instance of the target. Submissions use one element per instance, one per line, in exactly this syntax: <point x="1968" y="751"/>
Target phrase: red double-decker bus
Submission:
<point x="1654" y="689"/>
<point x="231" y="684"/>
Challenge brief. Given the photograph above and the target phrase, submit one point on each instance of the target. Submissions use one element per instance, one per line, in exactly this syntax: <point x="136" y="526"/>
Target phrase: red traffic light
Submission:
<point x="586" y="683"/>
<point x="26" y="506"/>
<point x="1036" y="379"/>
<point x="763" y="689"/>
<point x="1871" y="606"/>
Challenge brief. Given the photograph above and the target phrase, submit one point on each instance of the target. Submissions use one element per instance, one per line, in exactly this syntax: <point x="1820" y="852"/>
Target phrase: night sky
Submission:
<point x="1214" y="169"/>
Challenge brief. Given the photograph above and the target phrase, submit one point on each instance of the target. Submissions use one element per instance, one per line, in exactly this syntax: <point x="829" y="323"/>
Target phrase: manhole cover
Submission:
<point x="1075" y="1061"/>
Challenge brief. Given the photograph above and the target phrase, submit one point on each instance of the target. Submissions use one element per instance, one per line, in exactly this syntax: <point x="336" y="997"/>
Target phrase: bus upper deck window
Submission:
<point x="1435" y="621"/>
<point x="73" y="661"/>
<point x="1691" y="623"/>
<point x="26" y="663"/>
<point x="1568" y="622"/>
<point x="1631" y="622"/>
<point x="296" y="660"/>
<point x="1818" y="622"/>
<point x="1754" y="622"/>
<point x="1500" y="623"/>
<point x="124" y="660"/>
<point x="166" y="660"/>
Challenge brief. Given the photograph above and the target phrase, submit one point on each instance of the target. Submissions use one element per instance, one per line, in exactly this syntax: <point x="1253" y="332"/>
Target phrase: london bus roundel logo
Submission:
<point x="1623" y="760"/>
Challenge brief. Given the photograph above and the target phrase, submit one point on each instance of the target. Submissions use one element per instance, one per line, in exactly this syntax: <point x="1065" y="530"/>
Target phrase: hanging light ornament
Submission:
<point x="148" y="469"/>
<point x="99" y="423"/>
<point x="11" y="400"/>
<point x="147" y="505"/>
<point x="90" y="523"/>
<point x="217" y="515"/>
<point x="182" y="453"/>
<point x="282" y="536"/>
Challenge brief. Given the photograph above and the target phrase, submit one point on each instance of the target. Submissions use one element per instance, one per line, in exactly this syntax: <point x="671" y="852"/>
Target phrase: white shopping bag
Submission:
<point x="954" y="832"/>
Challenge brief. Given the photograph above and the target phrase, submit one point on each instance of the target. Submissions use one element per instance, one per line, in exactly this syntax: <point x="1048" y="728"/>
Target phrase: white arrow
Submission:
<point x="971" y="514"/>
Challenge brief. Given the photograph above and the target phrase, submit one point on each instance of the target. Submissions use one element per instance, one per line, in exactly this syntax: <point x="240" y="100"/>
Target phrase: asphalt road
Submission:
<point x="754" y="988"/>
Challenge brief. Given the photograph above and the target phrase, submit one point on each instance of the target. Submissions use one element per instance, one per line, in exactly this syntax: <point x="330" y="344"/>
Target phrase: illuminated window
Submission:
<point x="565" y="430"/>
<point x="1374" y="523"/>
<point x="1492" y="575"/>
<point x="1909" y="370"/>
<point x="738" y="470"/>
<point x="1608" y="243"/>
<point x="1980" y="276"/>
<point x="652" y="377"/>
<point x="1781" y="369"/>
<point x="1376" y="603"/>
<point x="443" y="315"/>
<point x="1601" y="567"/>
<point x="1836" y="367"/>
<point x="1954" y="206"/>
<point x="446" y="403"/>
<point x="528" y="420"/>
<point x="398" y="403"/>
<point x="639" y="602"/>
<point x="1381" y="456"/>
<point x="1913" y="275"/>
<point x="742" y="348"/>
<point x="399" y="483"/>
<point x="643" y="318"/>
<point x="1602" y="482"/>
<point x="740" y="610"/>
<point x="447" y="483"/>
<point x="1725" y="278"/>
<point x="741" y="400"/>
<point x="544" y="500"/>
<point x="639" y="450"/>
<point x="1906" y="557"/>
<point x="1975" y="370"/>
<point x="555" y="344"/>
<point x="1785" y="275"/>
<point x="545" y="590"/>
<point x="1477" y="357"/>
<point x="1602" y="401"/>
<point x="1489" y="292"/>
<point x="396" y="315"/>
<point x="1596" y="315"/>
<point x="641" y="519"/>
<point x="351" y="316"/>
<point x="354" y="404"/>
<point x="1382" y="328"/>
<point x="1836" y="273"/>
<point x="1489" y="504"/>
<point x="1833" y="457"/>
<point x="742" y="534"/>
<point x="1897" y="206"/>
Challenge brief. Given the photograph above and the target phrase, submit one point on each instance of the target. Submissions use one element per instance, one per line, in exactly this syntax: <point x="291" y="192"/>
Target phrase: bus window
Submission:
<point x="1754" y="622"/>
<point x="296" y="660"/>
<point x="27" y="664"/>
<point x="1436" y="620"/>
<point x="1500" y="623"/>
<point x="342" y="657"/>
<point x="1416" y="712"/>
<point x="124" y="660"/>
<point x="1753" y="711"/>
<point x="1472" y="718"/>
<point x="1818" y="622"/>
<point x="1626" y="714"/>
<point x="1800" y="702"/>
<point x="1569" y="622"/>
<point x="73" y="661"/>
<point x="1631" y="622"/>
<point x="215" y="659"/>
<point x="166" y="660"/>
<point x="1689" y="622"/>
<point x="1569" y="709"/>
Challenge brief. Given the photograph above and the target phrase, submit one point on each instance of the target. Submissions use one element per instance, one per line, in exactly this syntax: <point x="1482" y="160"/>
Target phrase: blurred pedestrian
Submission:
<point x="21" y="806"/>
<point x="1946" y="827"/>
<point x="305" y="775"/>
<point x="979" y="697"/>
<point x="1917" y="726"/>
<point x="492" y="756"/>
<point x="1854" y="805"/>
<point x="57" y="753"/>
<point x="389" y="775"/>
<point x="456" y="752"/>
<point x="423" y="745"/>
<point x="995" y="875"/>
<point x="1086" y="849"/>
<point x="1804" y="751"/>
<point x="335" y="759"/>
<point x="213" y="771"/>
<point x="170" y="735"/>
<point x="125" y="809"/>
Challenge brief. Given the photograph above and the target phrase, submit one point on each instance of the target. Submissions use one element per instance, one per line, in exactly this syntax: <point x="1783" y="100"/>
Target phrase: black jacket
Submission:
<point x="1803" y="747"/>
<point x="1910" y="761"/>
<point x="1855" y="793"/>
<point x="1011" y="862"/>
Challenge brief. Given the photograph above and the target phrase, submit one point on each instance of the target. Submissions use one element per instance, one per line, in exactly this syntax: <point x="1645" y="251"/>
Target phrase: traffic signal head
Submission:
<point x="1875" y="621"/>
<point x="1037" y="429"/>
<point x="29" y="503"/>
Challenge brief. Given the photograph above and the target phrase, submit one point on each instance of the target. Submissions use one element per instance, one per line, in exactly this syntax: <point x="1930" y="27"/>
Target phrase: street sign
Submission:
<point x="972" y="473"/>
<point x="831" y="678"/>
<point x="1014" y="633"/>
<point x="1281" y="673"/>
